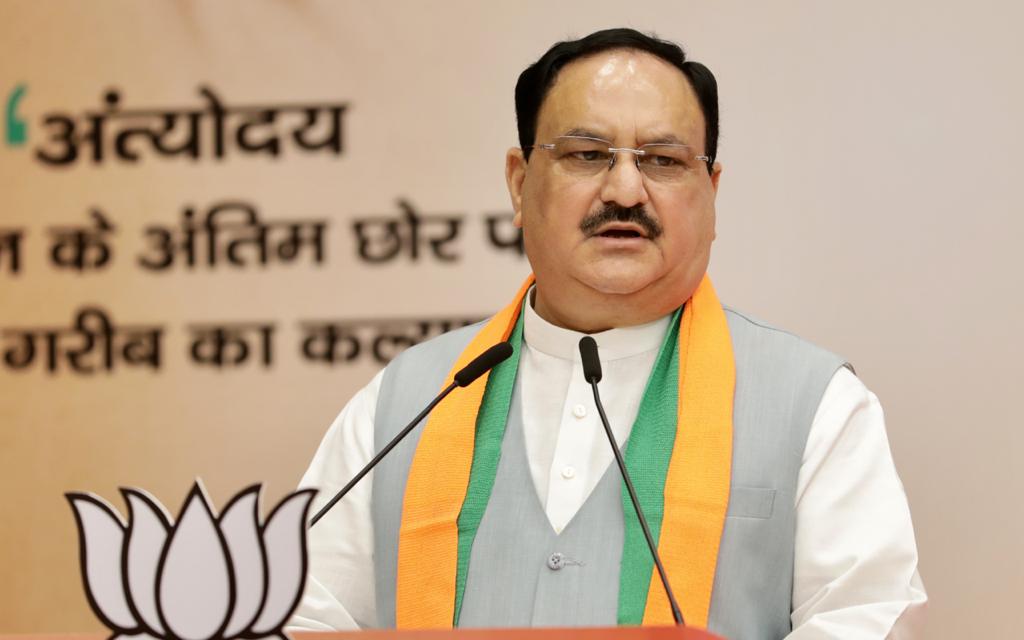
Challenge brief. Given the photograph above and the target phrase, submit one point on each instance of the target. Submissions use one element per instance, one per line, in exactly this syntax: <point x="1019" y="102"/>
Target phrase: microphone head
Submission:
<point x="483" y="363"/>
<point x="591" y="363"/>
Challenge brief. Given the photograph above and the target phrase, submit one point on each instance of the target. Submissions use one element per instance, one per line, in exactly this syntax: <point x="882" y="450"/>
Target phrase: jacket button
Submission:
<point x="556" y="561"/>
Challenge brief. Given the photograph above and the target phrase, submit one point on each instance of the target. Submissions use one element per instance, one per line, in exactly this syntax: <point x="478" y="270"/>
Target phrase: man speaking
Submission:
<point x="760" y="461"/>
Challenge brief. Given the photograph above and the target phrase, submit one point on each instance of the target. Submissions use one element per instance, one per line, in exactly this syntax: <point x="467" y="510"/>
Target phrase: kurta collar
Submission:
<point x="613" y="344"/>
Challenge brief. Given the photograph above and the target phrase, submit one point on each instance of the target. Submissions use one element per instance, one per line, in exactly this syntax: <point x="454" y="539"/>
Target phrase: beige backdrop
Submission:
<point x="870" y="202"/>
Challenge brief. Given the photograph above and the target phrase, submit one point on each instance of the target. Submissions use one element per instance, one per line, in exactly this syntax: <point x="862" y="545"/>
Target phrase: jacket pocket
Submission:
<point x="751" y="502"/>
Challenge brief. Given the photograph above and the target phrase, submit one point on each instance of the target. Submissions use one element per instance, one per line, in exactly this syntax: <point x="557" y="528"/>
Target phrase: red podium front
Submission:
<point x="587" y="633"/>
<point x="576" y="633"/>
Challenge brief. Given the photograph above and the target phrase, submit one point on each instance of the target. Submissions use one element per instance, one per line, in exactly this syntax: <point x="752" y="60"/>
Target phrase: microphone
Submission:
<point x="463" y="378"/>
<point x="483" y="363"/>
<point x="591" y="363"/>
<point x="592" y="374"/>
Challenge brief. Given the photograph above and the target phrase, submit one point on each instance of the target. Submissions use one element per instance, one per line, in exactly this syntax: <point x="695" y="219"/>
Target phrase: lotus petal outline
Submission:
<point x="202" y="577"/>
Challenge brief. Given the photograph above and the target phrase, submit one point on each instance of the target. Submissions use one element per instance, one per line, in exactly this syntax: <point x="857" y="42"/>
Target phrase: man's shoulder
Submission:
<point x="746" y="321"/>
<point x="441" y="351"/>
<point x="754" y="338"/>
<point x="417" y="374"/>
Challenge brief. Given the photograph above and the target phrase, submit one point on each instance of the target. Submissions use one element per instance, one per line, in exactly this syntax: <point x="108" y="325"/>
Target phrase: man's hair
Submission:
<point x="536" y="81"/>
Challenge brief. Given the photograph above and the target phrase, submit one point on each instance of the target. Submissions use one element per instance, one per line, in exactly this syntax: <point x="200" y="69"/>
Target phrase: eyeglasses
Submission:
<point x="583" y="157"/>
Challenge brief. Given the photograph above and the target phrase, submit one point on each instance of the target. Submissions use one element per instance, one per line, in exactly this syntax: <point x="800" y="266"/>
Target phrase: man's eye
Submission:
<point x="662" y="161"/>
<point x="588" y="155"/>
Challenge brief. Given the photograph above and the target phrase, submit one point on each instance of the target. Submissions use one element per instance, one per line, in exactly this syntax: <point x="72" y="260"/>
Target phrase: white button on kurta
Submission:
<point x="577" y="440"/>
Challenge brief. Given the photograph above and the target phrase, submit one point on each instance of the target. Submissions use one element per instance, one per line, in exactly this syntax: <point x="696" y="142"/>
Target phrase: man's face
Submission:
<point x="630" y="99"/>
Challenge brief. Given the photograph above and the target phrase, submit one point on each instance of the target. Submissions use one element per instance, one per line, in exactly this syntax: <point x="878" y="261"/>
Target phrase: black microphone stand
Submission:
<point x="380" y="456"/>
<point x="463" y="378"/>
<point x="592" y="372"/>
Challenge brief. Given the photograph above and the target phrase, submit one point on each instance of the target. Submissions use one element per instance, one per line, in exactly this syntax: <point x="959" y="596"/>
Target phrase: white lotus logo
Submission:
<point x="205" y="577"/>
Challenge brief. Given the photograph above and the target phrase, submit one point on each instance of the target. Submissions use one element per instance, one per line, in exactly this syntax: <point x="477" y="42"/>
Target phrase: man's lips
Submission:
<point x="620" y="231"/>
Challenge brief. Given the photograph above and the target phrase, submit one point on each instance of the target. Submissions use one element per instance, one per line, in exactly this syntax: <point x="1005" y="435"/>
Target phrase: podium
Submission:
<point x="561" y="633"/>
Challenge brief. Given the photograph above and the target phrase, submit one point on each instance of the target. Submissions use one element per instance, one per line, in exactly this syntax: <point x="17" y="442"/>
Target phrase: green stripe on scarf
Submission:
<point x="647" y="459"/>
<point x="490" y="431"/>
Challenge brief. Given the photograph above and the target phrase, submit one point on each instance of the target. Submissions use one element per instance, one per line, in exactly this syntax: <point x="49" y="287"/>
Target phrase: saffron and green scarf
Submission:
<point x="679" y="457"/>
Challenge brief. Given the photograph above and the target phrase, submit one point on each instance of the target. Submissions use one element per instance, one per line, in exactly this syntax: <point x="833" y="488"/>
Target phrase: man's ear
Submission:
<point x="716" y="174"/>
<point x="515" y="174"/>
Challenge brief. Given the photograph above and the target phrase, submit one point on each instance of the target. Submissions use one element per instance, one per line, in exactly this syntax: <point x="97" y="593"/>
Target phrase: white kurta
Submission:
<point x="855" y="565"/>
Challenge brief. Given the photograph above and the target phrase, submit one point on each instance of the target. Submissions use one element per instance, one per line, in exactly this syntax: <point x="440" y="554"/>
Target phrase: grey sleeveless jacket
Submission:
<point x="522" y="573"/>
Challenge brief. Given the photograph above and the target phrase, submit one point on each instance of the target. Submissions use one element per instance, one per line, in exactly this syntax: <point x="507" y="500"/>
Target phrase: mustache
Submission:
<point x="612" y="212"/>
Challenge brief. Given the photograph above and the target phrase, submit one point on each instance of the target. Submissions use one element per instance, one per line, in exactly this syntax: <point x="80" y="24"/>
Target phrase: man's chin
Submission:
<point x="619" y="284"/>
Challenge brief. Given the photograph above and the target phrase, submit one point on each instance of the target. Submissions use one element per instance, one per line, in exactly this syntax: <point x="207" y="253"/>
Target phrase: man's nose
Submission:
<point x="623" y="183"/>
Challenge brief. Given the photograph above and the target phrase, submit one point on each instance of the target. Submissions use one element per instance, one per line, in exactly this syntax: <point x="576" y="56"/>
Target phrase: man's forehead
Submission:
<point x="606" y="90"/>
